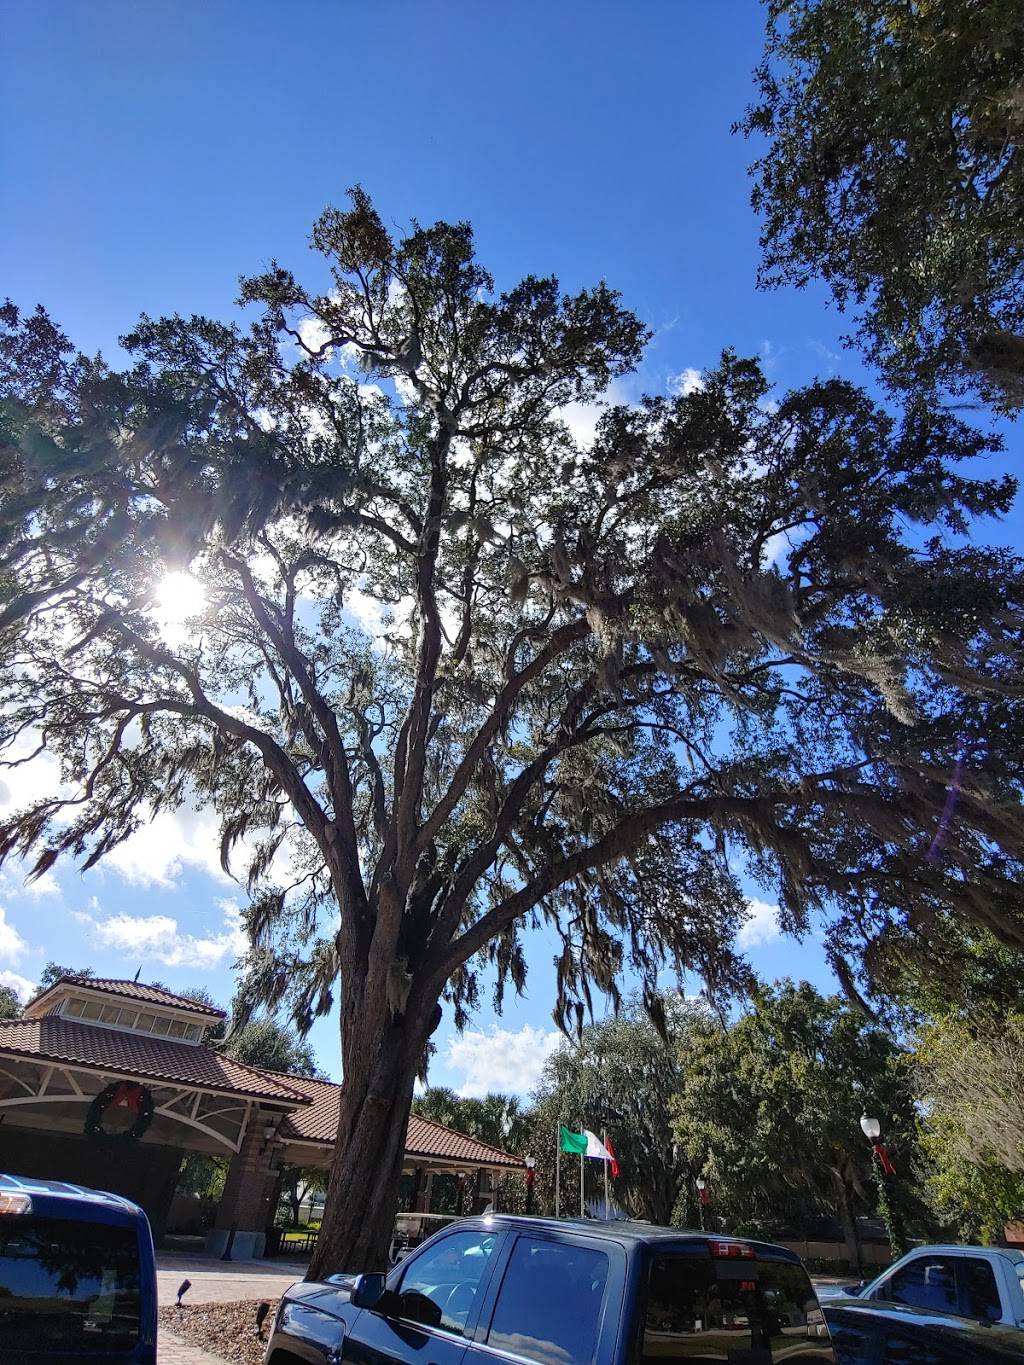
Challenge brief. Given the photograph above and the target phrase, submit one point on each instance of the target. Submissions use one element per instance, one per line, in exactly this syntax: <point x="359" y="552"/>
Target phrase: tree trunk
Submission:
<point x="381" y="1054"/>
<point x="849" y="1224"/>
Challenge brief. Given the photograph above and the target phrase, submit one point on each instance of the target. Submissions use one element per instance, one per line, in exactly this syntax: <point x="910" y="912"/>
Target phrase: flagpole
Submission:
<point x="558" y="1162"/>
<point x="583" y="1157"/>
<point x="604" y="1139"/>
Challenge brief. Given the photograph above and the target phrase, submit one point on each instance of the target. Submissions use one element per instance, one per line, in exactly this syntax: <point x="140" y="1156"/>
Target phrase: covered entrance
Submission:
<point x="91" y="1058"/>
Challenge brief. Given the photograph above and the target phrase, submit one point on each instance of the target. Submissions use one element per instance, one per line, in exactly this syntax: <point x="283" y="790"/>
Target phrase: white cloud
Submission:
<point x="33" y="780"/>
<point x="46" y="885"/>
<point x="761" y="925"/>
<point x="313" y="333"/>
<point x="12" y="945"/>
<point x="20" y="985"/>
<point x="158" y="938"/>
<point x="684" y="383"/>
<point x="582" y="418"/>
<point x="501" y="1060"/>
<point x="156" y="854"/>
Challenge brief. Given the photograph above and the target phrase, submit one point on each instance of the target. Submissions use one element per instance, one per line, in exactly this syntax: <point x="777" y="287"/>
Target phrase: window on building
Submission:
<point x="177" y="1029"/>
<point x="549" y="1303"/>
<point x="145" y="1023"/>
<point x="161" y="1026"/>
<point x="194" y="1032"/>
<point x="74" y="1008"/>
<point x="90" y="1009"/>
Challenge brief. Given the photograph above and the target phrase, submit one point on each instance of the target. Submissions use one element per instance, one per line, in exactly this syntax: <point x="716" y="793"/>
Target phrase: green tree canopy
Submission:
<point x="10" y="1005"/>
<point x="769" y="1109"/>
<point x="971" y="1078"/>
<point x="498" y="1119"/>
<point x="730" y="633"/>
<point x="267" y="1043"/>
<point x="894" y="172"/>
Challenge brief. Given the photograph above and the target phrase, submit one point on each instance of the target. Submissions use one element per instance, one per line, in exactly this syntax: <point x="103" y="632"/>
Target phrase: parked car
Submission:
<point x="77" y="1276"/>
<point x="895" y="1334"/>
<point x="981" y="1283"/>
<point x="561" y="1293"/>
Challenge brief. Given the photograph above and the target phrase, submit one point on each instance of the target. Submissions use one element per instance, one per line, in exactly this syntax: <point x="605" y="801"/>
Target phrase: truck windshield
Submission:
<point x="67" y="1286"/>
<point x="740" y="1312"/>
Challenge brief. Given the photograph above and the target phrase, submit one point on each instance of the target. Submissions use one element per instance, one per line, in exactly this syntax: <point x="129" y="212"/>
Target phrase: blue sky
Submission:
<point x="153" y="152"/>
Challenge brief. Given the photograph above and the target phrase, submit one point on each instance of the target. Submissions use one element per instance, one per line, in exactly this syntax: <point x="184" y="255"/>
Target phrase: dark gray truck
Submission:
<point x="533" y="1291"/>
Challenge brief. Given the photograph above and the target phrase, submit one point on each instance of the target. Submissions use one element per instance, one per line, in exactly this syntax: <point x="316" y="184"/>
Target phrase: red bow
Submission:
<point x="127" y="1096"/>
<point x="884" y="1159"/>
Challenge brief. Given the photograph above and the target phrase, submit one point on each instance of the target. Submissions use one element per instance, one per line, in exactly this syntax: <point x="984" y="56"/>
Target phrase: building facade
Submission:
<point x="110" y="1083"/>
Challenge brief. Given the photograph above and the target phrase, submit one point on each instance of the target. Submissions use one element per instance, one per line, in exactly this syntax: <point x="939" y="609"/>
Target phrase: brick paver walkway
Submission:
<point x="174" y="1351"/>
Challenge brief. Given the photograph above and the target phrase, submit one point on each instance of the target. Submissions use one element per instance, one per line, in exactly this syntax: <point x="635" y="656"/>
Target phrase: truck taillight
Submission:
<point x="733" y="1249"/>
<point x="15" y="1203"/>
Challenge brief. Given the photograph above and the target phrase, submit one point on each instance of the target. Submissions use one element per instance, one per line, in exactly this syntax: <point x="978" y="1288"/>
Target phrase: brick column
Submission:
<point x="244" y="1208"/>
<point x="424" y="1190"/>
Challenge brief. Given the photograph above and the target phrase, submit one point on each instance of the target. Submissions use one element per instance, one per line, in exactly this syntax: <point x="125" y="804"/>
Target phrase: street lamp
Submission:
<point x="702" y="1198"/>
<point x="530" y="1162"/>
<point x="870" y="1127"/>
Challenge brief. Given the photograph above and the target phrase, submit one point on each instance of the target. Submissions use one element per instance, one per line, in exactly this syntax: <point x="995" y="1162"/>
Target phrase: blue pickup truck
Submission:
<point x="563" y="1292"/>
<point x="77" y="1276"/>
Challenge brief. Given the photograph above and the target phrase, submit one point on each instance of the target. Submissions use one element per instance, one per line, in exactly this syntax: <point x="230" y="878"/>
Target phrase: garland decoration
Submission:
<point x="127" y="1095"/>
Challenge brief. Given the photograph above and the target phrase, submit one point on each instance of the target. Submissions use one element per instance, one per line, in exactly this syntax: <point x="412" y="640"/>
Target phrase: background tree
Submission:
<point x="622" y="1075"/>
<point x="971" y="1079"/>
<point x="894" y="173"/>
<point x="297" y="1184"/>
<point x="497" y="1119"/>
<point x="729" y="633"/>
<point x="769" y="1110"/>
<point x="267" y="1043"/>
<point x="53" y="971"/>
<point x="10" y="1005"/>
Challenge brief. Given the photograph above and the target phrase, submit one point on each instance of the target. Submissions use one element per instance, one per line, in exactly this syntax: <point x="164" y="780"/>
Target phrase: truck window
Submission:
<point x="448" y="1273"/>
<point x="67" y="1286"/>
<point x="926" y="1282"/>
<point x="979" y="1290"/>
<point x="549" y="1303"/>
<point x="756" y="1312"/>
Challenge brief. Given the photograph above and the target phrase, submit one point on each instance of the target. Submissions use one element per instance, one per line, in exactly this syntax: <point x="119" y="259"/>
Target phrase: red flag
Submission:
<point x="611" y="1153"/>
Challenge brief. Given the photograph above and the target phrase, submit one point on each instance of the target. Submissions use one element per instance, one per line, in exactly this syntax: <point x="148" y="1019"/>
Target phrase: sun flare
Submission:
<point x="180" y="596"/>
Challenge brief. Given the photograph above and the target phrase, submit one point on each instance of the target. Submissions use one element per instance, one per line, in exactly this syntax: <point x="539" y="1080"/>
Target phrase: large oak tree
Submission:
<point x="456" y="674"/>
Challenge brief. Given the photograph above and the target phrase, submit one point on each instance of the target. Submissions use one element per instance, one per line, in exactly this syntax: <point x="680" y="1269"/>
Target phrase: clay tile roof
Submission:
<point x="424" y="1137"/>
<point x="58" y="1039"/>
<point x="138" y="990"/>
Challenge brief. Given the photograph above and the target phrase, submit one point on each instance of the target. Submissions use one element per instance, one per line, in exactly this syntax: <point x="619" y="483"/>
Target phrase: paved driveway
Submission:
<point x="216" y="1281"/>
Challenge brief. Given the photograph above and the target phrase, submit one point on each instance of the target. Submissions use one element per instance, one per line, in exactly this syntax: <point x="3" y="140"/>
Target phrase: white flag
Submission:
<point x="595" y="1147"/>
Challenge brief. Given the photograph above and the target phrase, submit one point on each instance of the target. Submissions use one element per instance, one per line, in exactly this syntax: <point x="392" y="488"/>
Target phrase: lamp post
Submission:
<point x="702" y="1198"/>
<point x="882" y="1169"/>
<point x="530" y="1162"/>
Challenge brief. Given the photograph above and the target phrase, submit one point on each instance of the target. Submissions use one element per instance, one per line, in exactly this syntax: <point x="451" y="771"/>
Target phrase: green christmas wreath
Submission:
<point x="136" y="1099"/>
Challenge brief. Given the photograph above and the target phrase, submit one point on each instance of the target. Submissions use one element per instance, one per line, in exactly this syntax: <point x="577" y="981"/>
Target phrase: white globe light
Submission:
<point x="870" y="1127"/>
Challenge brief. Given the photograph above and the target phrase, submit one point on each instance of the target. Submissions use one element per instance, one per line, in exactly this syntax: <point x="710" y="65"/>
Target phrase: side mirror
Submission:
<point x="368" y="1290"/>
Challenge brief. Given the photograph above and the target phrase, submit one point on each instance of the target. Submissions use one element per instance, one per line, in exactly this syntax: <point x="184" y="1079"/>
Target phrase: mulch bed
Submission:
<point x="226" y="1330"/>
